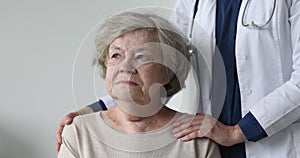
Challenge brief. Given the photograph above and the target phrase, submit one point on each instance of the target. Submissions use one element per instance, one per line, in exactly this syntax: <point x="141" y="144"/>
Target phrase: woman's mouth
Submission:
<point x="129" y="83"/>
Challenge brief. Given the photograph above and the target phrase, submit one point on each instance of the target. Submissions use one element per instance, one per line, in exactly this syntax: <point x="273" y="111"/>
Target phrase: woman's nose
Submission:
<point x="128" y="66"/>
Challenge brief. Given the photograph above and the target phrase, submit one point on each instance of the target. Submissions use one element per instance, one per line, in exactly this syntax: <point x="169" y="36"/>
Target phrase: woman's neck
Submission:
<point x="125" y="122"/>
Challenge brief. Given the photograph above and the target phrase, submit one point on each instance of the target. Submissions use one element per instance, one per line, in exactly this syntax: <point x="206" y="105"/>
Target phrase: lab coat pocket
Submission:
<point x="296" y="137"/>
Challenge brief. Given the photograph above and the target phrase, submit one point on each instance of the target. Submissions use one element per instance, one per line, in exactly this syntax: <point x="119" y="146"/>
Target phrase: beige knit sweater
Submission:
<point x="89" y="136"/>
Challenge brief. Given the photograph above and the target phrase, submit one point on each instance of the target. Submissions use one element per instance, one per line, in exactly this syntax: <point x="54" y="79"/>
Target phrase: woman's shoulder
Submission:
<point x="80" y="123"/>
<point x="83" y="119"/>
<point x="207" y="147"/>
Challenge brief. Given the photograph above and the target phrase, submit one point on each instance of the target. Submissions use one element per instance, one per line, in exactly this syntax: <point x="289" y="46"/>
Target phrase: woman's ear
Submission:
<point x="166" y="75"/>
<point x="166" y="79"/>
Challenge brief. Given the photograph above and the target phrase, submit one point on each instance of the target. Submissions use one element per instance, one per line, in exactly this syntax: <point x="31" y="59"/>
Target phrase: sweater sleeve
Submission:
<point x="67" y="149"/>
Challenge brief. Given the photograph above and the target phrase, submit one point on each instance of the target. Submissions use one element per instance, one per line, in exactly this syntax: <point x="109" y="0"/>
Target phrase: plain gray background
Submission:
<point x="38" y="44"/>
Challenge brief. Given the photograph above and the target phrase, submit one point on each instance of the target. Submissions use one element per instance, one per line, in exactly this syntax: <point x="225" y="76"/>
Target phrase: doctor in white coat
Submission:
<point x="267" y="53"/>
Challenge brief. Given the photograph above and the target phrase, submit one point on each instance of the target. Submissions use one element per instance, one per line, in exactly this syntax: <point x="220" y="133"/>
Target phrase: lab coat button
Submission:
<point x="251" y="156"/>
<point x="244" y="57"/>
<point x="248" y="91"/>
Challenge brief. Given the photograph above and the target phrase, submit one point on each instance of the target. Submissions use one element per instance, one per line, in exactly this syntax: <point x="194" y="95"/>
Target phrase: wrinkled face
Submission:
<point x="133" y="69"/>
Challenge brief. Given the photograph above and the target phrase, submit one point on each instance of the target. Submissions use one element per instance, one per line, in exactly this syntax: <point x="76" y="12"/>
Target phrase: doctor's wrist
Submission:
<point x="238" y="135"/>
<point x="84" y="110"/>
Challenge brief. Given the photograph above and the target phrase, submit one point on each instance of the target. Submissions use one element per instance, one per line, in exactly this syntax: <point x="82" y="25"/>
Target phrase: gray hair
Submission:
<point x="166" y="34"/>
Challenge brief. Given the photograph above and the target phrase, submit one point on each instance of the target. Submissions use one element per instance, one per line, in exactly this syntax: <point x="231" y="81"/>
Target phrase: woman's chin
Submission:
<point x="129" y="93"/>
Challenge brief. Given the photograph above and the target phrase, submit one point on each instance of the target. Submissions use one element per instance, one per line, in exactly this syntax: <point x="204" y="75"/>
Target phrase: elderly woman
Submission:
<point x="144" y="60"/>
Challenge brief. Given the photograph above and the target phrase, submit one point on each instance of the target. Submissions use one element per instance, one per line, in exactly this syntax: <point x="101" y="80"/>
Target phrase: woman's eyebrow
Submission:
<point x="146" y="48"/>
<point x="140" y="49"/>
<point x="114" y="47"/>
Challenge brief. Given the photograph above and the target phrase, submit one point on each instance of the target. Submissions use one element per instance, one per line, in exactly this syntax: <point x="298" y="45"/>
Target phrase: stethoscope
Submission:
<point x="253" y="24"/>
<point x="192" y="49"/>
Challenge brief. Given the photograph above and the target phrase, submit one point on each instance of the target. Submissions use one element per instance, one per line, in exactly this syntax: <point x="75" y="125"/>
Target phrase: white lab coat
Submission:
<point x="268" y="67"/>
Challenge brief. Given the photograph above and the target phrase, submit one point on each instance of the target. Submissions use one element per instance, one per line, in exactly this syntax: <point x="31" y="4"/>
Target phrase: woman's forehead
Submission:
<point x="133" y="38"/>
<point x="147" y="35"/>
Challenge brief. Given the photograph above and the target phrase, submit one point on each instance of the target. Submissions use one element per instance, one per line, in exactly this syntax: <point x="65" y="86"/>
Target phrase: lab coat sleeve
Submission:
<point x="251" y="128"/>
<point x="280" y="108"/>
<point x="98" y="106"/>
<point x="103" y="104"/>
<point x="108" y="101"/>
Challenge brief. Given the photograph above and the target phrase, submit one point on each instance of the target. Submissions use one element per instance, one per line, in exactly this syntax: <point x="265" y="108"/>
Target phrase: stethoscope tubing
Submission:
<point x="253" y="24"/>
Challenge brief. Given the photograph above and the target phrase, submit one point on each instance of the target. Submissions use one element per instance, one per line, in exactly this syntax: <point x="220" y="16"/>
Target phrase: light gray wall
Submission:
<point x="39" y="40"/>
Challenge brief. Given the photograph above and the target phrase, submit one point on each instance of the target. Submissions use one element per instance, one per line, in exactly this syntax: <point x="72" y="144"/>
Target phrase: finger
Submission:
<point x="183" y="126"/>
<point x="69" y="118"/>
<point x="187" y="131"/>
<point x="180" y="128"/>
<point x="182" y="121"/>
<point x="188" y="119"/>
<point x="190" y="136"/>
<point x="57" y="147"/>
<point x="58" y="133"/>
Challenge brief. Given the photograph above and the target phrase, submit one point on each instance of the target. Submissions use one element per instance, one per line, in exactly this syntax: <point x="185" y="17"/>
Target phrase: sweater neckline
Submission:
<point x="134" y="142"/>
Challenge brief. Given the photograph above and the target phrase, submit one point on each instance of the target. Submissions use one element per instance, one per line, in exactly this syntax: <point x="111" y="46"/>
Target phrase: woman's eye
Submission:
<point x="116" y="56"/>
<point x="142" y="58"/>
